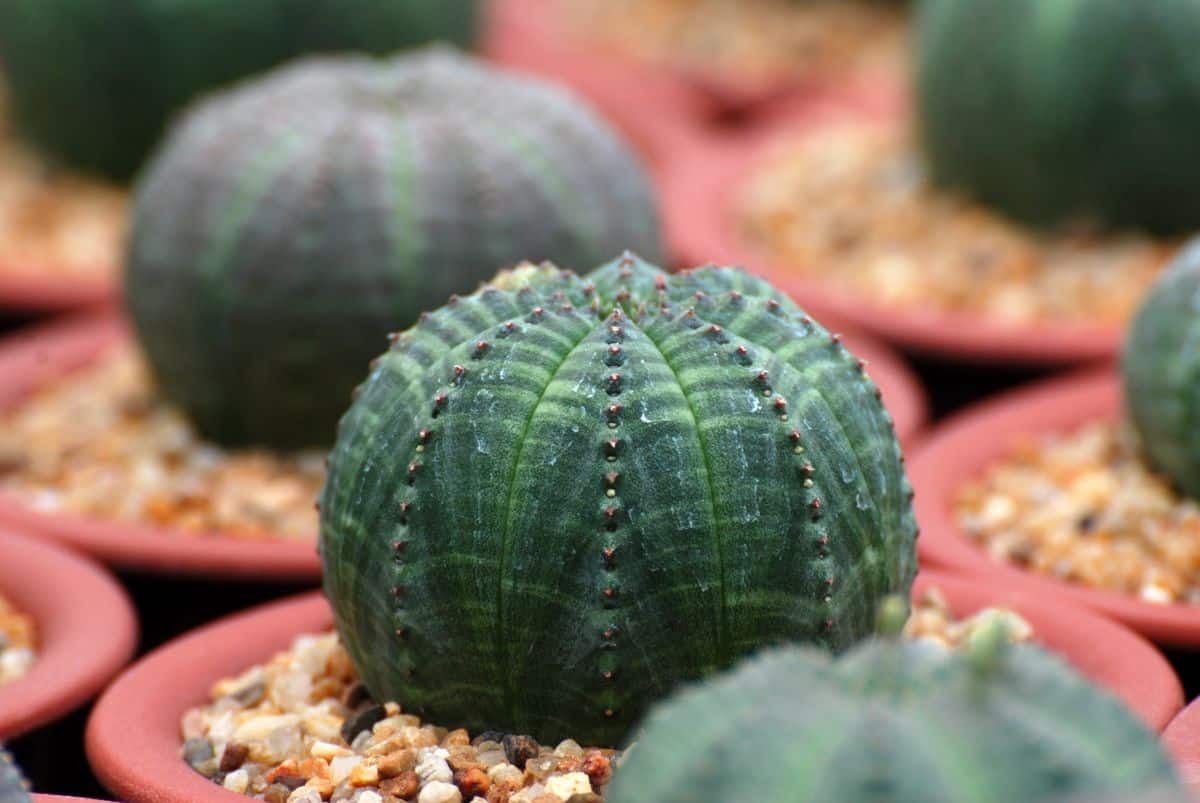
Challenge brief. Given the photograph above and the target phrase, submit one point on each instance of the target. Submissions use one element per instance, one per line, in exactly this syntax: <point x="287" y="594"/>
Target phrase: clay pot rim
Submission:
<point x="701" y="183"/>
<point x="40" y="798"/>
<point x="31" y="291"/>
<point x="46" y="352"/>
<point x="142" y="763"/>
<point x="967" y="443"/>
<point x="700" y="92"/>
<point x="87" y="630"/>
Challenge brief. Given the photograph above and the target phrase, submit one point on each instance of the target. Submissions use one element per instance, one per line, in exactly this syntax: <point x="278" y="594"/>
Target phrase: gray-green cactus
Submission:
<point x="1053" y="110"/>
<point x="557" y="497"/>
<point x="94" y="81"/>
<point x="13" y="787"/>
<point x="287" y="226"/>
<point x="1161" y="370"/>
<point x="898" y="721"/>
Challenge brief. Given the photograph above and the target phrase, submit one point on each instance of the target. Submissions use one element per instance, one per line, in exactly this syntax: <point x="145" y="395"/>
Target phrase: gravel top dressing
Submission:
<point x="301" y="728"/>
<point x="17" y="642"/>
<point x="855" y="197"/>
<point x="1084" y="507"/>
<point x="99" y="442"/>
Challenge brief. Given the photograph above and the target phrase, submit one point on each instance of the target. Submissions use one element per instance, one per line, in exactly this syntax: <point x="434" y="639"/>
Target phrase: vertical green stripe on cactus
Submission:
<point x="324" y="205"/>
<point x="637" y="502"/>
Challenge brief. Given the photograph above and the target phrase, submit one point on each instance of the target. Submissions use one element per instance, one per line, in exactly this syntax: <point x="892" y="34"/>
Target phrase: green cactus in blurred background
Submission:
<point x="557" y="497"/>
<point x="1161" y="371"/>
<point x="288" y="225"/>
<point x="93" y="82"/>
<point x="1053" y="111"/>
<point x="899" y="721"/>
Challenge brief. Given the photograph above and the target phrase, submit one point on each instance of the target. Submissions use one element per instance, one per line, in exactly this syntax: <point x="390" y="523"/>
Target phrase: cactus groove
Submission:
<point x="1161" y="371"/>
<point x="557" y="497"/>
<point x="897" y="721"/>
<point x="13" y="788"/>
<point x="289" y="224"/>
<point x="1053" y="111"/>
<point x="120" y="70"/>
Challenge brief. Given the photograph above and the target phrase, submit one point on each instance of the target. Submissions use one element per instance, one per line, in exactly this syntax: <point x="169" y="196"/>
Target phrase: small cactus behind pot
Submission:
<point x="93" y="82"/>
<point x="899" y="721"/>
<point x="13" y="786"/>
<point x="288" y="225"/>
<point x="1054" y="111"/>
<point x="1161" y="372"/>
<point x="558" y="497"/>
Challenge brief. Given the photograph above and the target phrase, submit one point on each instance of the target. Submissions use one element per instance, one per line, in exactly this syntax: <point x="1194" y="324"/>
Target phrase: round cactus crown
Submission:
<point x="559" y="496"/>
<point x="287" y="225"/>
<point x="1161" y="372"/>
<point x="895" y="720"/>
<point x="13" y="787"/>
<point x="120" y="70"/>
<point x="1056" y="111"/>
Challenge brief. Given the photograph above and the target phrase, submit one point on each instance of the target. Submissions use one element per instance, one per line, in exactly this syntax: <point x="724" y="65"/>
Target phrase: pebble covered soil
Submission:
<point x="1084" y="507"/>
<point x="55" y="221"/>
<point x="302" y="729"/>
<point x="17" y="637"/>
<point x="850" y="204"/>
<point x="750" y="39"/>
<point x="99" y="443"/>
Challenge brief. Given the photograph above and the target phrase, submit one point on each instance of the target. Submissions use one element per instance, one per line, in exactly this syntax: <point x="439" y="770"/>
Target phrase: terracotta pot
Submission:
<point x="700" y="190"/>
<point x="30" y="359"/>
<point x="62" y="799"/>
<point x="133" y="737"/>
<point x="1182" y="738"/>
<point x="86" y="627"/>
<point x="533" y="35"/>
<point x="967" y="444"/>
<point x="31" y="292"/>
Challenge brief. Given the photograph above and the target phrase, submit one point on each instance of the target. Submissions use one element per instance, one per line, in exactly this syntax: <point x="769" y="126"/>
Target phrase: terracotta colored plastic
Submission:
<point x="86" y="626"/>
<point x="31" y="292"/>
<point x="27" y="361"/>
<point x="133" y="737"/>
<point x="967" y="444"/>
<point x="701" y="188"/>
<point x="1182" y="738"/>
<point x="61" y="799"/>
<point x="533" y="35"/>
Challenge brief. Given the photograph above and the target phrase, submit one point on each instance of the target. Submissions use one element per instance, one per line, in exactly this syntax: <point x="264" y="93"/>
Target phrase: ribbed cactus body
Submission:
<point x="94" y="82"/>
<point x="902" y="722"/>
<point x="289" y="225"/>
<point x="557" y="497"/>
<point x="1161" y="371"/>
<point x="13" y="788"/>
<point x="1053" y="111"/>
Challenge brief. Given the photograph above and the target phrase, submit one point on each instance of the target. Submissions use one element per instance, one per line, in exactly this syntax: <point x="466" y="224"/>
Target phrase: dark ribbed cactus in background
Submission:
<point x="898" y="721"/>
<point x="13" y="788"/>
<point x="1053" y="111"/>
<point x="558" y="497"/>
<point x="1161" y="368"/>
<point x="287" y="226"/>
<point x="94" y="81"/>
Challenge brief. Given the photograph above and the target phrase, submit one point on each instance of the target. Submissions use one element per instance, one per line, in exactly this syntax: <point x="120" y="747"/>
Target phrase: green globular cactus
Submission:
<point x="287" y="226"/>
<point x="1161" y="372"/>
<point x="93" y="82"/>
<point x="898" y="721"/>
<point x="558" y="497"/>
<point x="13" y="788"/>
<point x="1063" y="110"/>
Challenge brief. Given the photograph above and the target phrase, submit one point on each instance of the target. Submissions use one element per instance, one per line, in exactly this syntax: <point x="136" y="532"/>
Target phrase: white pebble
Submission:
<point x="237" y="781"/>
<point x="432" y="768"/>
<point x="439" y="792"/>
<point x="573" y="783"/>
<point x="368" y="796"/>
<point x="327" y="751"/>
<point x="259" y="728"/>
<point x="341" y="767"/>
